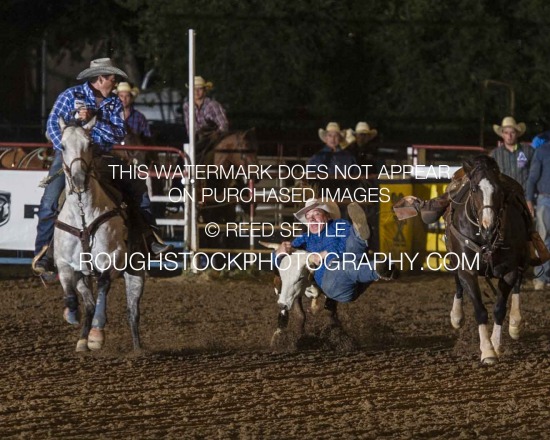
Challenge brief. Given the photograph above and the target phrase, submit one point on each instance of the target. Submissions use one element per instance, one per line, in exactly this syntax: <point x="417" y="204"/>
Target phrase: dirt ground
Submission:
<point x="397" y="370"/>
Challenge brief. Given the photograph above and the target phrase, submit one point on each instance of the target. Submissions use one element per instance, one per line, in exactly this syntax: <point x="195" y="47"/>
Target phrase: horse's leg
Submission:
<point x="96" y="337"/>
<point x="515" y="314"/>
<point x="505" y="285"/>
<point x="457" y="312"/>
<point x="67" y="280"/>
<point x="134" y="290"/>
<point x="83" y="285"/>
<point x="470" y="283"/>
<point x="514" y="326"/>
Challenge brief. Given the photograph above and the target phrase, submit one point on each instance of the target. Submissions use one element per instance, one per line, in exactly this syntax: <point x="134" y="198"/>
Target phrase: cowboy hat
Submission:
<point x="363" y="128"/>
<point x="101" y="66"/>
<point x="126" y="87"/>
<point x="200" y="83"/>
<point x="331" y="127"/>
<point x="328" y="206"/>
<point x="509" y="121"/>
<point x="349" y="139"/>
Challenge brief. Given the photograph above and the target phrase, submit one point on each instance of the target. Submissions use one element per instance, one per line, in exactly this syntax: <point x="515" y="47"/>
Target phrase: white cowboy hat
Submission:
<point x="126" y="87"/>
<point x="509" y="121"/>
<point x="331" y="127"/>
<point x="330" y="207"/>
<point x="363" y="128"/>
<point x="101" y="66"/>
<point x="349" y="139"/>
<point x="200" y="83"/>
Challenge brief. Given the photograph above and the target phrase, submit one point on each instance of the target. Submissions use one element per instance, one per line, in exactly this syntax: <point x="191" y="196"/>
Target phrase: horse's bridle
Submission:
<point x="478" y="212"/>
<point x="88" y="172"/>
<point x="86" y="232"/>
<point x="485" y="250"/>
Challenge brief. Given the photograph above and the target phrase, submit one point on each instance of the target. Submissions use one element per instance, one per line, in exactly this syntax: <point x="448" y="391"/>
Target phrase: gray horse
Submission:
<point x="90" y="241"/>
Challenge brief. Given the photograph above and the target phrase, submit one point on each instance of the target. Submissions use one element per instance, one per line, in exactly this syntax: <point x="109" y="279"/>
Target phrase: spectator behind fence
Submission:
<point x="135" y="122"/>
<point x="359" y="145"/>
<point x="538" y="184"/>
<point x="513" y="157"/>
<point x="332" y="155"/>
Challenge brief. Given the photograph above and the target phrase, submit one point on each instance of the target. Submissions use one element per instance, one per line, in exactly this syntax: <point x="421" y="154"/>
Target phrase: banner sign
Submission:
<point x="19" y="202"/>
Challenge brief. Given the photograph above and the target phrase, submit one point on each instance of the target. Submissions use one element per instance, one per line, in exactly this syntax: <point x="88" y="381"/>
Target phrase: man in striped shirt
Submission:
<point x="513" y="157"/>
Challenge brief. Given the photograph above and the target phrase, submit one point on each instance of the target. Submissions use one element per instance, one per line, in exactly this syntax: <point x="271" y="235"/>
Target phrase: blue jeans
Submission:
<point x="346" y="282"/>
<point x="134" y="192"/>
<point x="543" y="228"/>
<point x="47" y="213"/>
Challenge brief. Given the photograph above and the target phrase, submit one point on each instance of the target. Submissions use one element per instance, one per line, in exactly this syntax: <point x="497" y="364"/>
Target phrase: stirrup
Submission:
<point x="46" y="267"/>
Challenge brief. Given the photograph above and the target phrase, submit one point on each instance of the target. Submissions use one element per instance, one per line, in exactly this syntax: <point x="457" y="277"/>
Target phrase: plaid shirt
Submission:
<point x="210" y="110"/>
<point x="137" y="123"/>
<point x="109" y="127"/>
<point x="332" y="238"/>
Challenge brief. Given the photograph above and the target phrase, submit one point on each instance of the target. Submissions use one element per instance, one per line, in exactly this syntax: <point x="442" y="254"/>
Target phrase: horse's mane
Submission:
<point x="482" y="163"/>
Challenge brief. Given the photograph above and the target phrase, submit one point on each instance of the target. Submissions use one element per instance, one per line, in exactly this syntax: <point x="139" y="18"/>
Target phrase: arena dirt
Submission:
<point x="396" y="369"/>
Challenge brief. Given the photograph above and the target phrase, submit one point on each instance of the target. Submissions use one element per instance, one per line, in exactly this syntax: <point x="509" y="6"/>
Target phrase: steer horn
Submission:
<point x="269" y="245"/>
<point x="273" y="245"/>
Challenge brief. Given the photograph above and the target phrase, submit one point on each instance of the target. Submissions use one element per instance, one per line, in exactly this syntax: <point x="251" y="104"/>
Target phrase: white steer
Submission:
<point x="293" y="280"/>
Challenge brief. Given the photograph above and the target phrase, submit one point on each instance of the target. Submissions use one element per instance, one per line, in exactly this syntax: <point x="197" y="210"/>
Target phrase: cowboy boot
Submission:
<point x="155" y="244"/>
<point x="43" y="262"/>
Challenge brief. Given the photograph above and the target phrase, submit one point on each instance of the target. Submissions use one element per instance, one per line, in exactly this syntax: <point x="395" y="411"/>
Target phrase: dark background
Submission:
<point x="417" y="70"/>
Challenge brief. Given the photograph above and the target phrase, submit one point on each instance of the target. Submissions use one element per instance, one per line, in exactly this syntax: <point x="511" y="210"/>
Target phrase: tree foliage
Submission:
<point x="400" y="60"/>
<point x="301" y="63"/>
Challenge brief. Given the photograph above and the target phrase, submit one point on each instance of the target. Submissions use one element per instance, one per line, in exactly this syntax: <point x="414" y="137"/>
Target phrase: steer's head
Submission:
<point x="293" y="276"/>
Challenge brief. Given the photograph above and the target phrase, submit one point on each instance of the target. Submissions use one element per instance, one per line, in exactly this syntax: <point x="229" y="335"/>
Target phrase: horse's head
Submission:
<point x="486" y="200"/>
<point x="77" y="154"/>
<point x="237" y="149"/>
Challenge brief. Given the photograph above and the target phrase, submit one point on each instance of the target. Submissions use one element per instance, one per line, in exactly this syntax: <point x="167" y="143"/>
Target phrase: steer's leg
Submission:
<point x="300" y="316"/>
<point x="331" y="306"/>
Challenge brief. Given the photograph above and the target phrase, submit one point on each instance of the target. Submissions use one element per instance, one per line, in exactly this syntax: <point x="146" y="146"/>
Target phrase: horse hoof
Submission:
<point x="457" y="323"/>
<point x="489" y="360"/>
<point x="514" y="332"/>
<point x="96" y="338"/>
<point x="82" y="345"/>
<point x="71" y="316"/>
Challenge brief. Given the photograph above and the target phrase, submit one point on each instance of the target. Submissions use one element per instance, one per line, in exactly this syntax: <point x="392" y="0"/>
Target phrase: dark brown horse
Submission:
<point x="228" y="152"/>
<point x="485" y="228"/>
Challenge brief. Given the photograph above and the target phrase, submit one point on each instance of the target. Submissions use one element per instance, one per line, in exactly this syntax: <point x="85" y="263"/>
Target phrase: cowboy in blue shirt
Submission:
<point x="338" y="249"/>
<point x="79" y="105"/>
